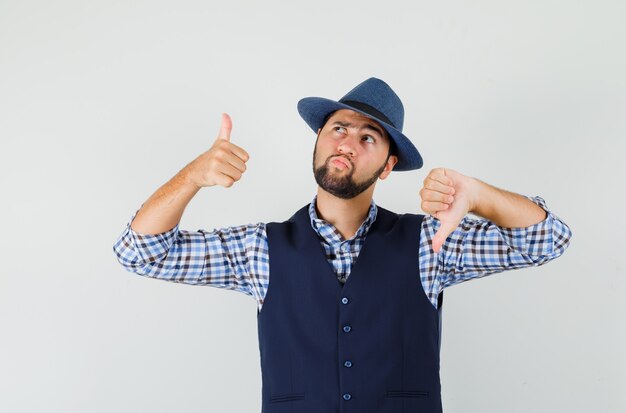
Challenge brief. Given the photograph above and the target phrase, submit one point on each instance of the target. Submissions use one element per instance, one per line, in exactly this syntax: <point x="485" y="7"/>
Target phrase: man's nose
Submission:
<point x="347" y="146"/>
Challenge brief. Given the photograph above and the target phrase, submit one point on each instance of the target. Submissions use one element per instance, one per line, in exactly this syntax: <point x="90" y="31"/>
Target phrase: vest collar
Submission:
<point x="329" y="234"/>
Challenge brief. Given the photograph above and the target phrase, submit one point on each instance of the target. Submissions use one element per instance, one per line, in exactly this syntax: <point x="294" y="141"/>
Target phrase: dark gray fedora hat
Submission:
<point x="376" y="100"/>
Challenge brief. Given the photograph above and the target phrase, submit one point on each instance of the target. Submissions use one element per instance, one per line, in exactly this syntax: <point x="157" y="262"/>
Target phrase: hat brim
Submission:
<point x="315" y="109"/>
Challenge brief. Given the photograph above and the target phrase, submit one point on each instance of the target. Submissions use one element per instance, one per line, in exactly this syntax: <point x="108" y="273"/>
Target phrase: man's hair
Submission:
<point x="393" y="150"/>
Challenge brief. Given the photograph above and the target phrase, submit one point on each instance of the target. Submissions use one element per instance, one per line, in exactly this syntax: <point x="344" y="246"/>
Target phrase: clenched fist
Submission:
<point x="448" y="196"/>
<point x="223" y="164"/>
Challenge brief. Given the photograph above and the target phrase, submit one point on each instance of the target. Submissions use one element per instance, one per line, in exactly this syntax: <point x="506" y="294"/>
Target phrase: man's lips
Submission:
<point x="340" y="160"/>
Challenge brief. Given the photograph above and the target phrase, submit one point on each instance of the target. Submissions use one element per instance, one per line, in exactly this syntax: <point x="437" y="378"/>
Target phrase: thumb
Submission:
<point x="442" y="234"/>
<point x="226" y="127"/>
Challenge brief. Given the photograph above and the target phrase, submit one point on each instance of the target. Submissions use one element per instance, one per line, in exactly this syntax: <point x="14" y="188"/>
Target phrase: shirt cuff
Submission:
<point x="535" y="240"/>
<point x="151" y="247"/>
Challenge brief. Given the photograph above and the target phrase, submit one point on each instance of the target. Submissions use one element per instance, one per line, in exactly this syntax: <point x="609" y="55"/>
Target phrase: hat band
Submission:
<point x="364" y="107"/>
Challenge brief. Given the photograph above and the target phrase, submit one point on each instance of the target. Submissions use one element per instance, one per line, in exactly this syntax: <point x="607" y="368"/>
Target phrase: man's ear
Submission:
<point x="391" y="162"/>
<point x="318" y="130"/>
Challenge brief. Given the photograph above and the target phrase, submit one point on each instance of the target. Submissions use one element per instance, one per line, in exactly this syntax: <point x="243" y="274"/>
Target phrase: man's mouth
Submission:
<point x="341" y="162"/>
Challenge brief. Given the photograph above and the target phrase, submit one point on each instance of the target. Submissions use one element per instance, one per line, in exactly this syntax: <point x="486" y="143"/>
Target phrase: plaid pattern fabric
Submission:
<point x="341" y="253"/>
<point x="237" y="258"/>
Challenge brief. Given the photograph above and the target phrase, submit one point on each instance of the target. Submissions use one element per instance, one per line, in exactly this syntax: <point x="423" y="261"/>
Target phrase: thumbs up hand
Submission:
<point x="447" y="195"/>
<point x="223" y="164"/>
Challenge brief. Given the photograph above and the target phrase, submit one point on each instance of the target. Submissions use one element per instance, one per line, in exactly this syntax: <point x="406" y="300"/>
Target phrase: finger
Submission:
<point x="439" y="175"/>
<point x="225" y="180"/>
<point x="235" y="161"/>
<point x="434" y="207"/>
<point x="230" y="171"/>
<point x="438" y="186"/>
<point x="430" y="195"/>
<point x="226" y="127"/>
<point x="446" y="178"/>
<point x="240" y="152"/>
<point x="442" y="234"/>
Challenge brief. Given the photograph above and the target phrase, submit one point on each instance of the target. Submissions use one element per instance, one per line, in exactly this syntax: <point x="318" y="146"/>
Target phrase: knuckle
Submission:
<point x="221" y="147"/>
<point x="211" y="168"/>
<point x="217" y="155"/>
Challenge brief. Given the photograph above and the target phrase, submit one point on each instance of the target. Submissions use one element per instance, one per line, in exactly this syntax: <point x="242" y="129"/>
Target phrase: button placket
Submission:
<point x="347" y="363"/>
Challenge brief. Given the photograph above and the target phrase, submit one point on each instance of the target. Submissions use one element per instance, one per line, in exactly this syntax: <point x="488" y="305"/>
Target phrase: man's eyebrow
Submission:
<point x="374" y="128"/>
<point x="370" y="126"/>
<point x="340" y="123"/>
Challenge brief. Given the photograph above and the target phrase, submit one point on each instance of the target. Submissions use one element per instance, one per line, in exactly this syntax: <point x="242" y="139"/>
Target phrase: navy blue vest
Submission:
<point x="369" y="346"/>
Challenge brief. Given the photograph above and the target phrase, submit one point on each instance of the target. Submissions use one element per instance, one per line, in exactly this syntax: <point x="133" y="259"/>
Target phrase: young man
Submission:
<point x="363" y="333"/>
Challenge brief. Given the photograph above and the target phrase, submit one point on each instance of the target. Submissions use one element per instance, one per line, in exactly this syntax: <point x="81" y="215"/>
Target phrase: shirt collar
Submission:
<point x="329" y="233"/>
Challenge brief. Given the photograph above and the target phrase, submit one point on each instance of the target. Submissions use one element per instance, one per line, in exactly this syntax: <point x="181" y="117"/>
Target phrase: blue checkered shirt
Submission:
<point x="237" y="258"/>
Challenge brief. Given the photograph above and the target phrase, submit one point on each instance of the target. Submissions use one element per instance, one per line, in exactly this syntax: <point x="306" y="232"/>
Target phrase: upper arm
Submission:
<point x="231" y="258"/>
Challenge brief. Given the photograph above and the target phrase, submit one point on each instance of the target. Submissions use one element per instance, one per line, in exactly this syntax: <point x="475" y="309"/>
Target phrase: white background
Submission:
<point x="102" y="102"/>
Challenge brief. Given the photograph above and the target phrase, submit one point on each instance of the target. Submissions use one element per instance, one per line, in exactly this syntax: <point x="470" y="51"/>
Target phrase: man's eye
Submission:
<point x="369" y="139"/>
<point x="340" y="129"/>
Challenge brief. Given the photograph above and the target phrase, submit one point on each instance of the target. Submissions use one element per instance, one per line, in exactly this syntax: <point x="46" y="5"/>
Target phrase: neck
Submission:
<point x="346" y="215"/>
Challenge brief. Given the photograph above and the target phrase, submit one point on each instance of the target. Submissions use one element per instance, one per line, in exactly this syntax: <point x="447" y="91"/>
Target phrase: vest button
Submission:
<point x="347" y="329"/>
<point x="347" y="396"/>
<point x="347" y="363"/>
<point x="344" y="300"/>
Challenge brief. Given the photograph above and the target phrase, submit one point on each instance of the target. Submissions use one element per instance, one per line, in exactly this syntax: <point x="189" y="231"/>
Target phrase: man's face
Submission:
<point x="351" y="153"/>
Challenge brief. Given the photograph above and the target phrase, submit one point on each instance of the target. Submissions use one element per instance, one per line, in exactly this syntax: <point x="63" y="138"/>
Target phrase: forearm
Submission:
<point x="164" y="209"/>
<point x="503" y="208"/>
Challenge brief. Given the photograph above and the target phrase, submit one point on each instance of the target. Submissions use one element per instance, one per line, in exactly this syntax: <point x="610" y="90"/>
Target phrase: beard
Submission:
<point x="343" y="186"/>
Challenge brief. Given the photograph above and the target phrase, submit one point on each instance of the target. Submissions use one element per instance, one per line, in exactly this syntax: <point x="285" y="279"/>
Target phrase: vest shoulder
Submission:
<point x="405" y="215"/>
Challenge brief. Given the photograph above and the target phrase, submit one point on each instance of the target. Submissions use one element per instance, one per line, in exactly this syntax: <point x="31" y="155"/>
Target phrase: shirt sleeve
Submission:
<point x="234" y="258"/>
<point x="478" y="247"/>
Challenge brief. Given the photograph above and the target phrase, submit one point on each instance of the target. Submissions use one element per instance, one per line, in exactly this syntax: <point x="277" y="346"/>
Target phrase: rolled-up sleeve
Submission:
<point x="137" y="251"/>
<point x="479" y="247"/>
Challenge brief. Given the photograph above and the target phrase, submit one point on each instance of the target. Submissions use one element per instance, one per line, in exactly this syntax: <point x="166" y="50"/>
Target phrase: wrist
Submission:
<point x="186" y="176"/>
<point x="477" y="187"/>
